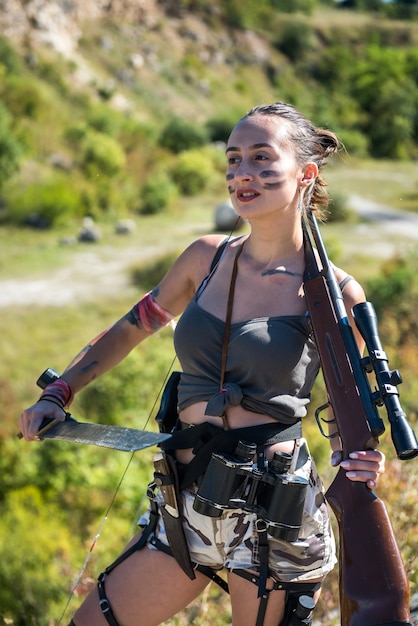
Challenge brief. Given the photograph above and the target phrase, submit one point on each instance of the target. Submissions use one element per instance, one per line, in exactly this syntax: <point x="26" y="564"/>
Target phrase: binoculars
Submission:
<point x="231" y="481"/>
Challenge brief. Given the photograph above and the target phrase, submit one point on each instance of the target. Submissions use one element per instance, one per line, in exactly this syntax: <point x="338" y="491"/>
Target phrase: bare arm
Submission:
<point x="113" y="344"/>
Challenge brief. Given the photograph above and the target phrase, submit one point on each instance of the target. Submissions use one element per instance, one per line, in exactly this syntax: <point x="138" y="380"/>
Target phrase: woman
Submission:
<point x="256" y="373"/>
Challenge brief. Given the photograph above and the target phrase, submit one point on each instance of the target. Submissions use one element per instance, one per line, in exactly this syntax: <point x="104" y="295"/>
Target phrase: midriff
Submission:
<point x="236" y="417"/>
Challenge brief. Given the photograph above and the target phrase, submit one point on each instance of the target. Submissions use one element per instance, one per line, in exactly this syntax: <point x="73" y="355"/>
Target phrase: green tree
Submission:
<point x="389" y="98"/>
<point x="403" y="9"/>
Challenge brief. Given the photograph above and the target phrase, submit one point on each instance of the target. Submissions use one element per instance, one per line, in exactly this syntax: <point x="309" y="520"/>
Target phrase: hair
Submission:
<point x="311" y="144"/>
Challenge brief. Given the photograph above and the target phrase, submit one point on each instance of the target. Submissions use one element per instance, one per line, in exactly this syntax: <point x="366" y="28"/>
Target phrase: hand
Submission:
<point x="362" y="466"/>
<point x="31" y="418"/>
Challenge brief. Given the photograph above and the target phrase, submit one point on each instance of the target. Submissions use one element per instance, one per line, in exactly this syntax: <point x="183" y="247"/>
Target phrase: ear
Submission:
<point x="309" y="173"/>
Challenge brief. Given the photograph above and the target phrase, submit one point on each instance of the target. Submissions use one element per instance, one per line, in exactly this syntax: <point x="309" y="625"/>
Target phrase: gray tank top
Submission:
<point x="271" y="366"/>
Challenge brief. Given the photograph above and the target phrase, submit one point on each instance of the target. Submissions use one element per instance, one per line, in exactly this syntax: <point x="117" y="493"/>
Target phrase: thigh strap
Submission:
<point x="147" y="535"/>
<point x="101" y="581"/>
<point x="292" y="589"/>
<point x="203" y="569"/>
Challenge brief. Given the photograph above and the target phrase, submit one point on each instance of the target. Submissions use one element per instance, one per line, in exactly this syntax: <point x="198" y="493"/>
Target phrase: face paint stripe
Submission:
<point x="269" y="174"/>
<point x="270" y="186"/>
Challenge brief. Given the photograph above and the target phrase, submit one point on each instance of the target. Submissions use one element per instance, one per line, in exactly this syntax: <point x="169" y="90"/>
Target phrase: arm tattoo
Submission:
<point x="133" y="319"/>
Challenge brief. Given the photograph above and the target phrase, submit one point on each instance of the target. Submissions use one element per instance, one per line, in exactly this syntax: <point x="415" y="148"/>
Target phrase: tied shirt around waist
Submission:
<point x="272" y="363"/>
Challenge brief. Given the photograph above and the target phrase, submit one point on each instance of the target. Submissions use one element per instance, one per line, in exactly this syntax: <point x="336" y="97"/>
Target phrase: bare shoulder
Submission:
<point x="353" y="292"/>
<point x="206" y="246"/>
<point x="184" y="277"/>
<point x="199" y="254"/>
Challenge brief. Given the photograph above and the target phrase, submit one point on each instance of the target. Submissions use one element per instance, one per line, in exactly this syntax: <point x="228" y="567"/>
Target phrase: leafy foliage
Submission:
<point x="157" y="193"/>
<point x="148" y="275"/>
<point x="180" y="134"/>
<point x="375" y="112"/>
<point x="102" y="155"/>
<point x="192" y="172"/>
<point x="35" y="546"/>
<point x="43" y="203"/>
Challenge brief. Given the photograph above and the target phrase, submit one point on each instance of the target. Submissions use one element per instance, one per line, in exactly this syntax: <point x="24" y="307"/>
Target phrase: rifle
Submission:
<point x="374" y="590"/>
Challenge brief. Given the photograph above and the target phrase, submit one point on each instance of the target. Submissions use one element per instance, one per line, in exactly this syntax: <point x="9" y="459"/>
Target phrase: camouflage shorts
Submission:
<point x="231" y="541"/>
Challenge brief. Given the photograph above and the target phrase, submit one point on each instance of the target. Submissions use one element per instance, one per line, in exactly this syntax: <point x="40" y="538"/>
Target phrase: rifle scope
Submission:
<point x="387" y="393"/>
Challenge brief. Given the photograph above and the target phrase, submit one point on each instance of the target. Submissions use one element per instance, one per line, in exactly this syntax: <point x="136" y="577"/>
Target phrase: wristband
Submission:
<point x="58" y="392"/>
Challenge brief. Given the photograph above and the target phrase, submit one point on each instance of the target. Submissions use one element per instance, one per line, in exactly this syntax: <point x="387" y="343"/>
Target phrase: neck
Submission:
<point x="267" y="245"/>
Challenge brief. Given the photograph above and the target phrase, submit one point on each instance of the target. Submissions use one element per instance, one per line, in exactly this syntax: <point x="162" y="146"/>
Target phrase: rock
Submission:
<point x="89" y="232"/>
<point x="226" y="218"/>
<point x="125" y="227"/>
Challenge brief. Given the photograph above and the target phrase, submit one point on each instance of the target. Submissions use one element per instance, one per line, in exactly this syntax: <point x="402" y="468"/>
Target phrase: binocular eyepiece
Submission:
<point x="231" y="481"/>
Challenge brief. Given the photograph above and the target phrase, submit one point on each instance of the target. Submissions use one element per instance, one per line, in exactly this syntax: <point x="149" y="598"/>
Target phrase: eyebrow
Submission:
<point x="255" y="146"/>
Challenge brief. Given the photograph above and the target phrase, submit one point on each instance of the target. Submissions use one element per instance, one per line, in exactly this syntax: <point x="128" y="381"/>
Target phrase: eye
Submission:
<point x="233" y="159"/>
<point x="261" y="157"/>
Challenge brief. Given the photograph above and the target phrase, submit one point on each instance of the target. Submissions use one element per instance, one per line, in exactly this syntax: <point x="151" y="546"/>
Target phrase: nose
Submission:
<point x="242" y="172"/>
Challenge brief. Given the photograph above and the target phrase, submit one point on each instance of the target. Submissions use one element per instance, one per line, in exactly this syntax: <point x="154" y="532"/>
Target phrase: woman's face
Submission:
<point x="262" y="173"/>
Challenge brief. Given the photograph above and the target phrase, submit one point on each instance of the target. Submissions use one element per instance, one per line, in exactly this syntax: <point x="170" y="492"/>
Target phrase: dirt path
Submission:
<point x="92" y="273"/>
<point x="401" y="223"/>
<point x="101" y="271"/>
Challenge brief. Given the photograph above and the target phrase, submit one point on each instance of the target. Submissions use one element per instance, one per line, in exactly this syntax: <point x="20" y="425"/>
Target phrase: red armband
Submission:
<point x="150" y="314"/>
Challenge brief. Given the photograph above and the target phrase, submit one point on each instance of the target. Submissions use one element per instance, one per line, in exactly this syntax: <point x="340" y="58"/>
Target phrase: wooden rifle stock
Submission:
<point x="374" y="590"/>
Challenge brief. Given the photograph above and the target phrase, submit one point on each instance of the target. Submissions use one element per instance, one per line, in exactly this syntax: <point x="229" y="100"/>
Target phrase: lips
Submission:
<point x="246" y="195"/>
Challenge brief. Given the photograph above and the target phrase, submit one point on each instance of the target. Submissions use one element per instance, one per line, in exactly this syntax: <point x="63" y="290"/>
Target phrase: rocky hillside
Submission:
<point x="60" y="23"/>
<point x="126" y="47"/>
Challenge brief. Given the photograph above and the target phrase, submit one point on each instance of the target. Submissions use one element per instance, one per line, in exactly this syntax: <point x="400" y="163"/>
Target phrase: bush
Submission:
<point x="180" y="135"/>
<point x="76" y="133"/>
<point x="192" y="172"/>
<point x="22" y="96"/>
<point x="157" y="193"/>
<point x="25" y="598"/>
<point x="219" y="128"/>
<point x="43" y="204"/>
<point x="104" y="120"/>
<point x="102" y="155"/>
<point x="296" y="41"/>
<point x="147" y="276"/>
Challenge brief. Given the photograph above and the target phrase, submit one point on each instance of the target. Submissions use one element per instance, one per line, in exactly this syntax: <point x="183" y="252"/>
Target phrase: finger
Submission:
<point x="368" y="455"/>
<point x="30" y="428"/>
<point x="363" y="477"/>
<point x="336" y="458"/>
<point x="366" y="459"/>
